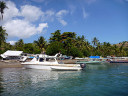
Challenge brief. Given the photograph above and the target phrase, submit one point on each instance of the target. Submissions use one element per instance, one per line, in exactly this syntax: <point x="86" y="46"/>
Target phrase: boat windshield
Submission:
<point x="41" y="59"/>
<point x="50" y="59"/>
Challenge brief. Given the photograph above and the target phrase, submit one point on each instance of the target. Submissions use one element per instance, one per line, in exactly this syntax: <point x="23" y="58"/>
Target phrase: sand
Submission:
<point x="10" y="64"/>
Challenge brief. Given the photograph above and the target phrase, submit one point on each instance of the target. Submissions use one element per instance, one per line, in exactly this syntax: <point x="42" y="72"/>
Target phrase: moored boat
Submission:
<point x="51" y="63"/>
<point x="89" y="62"/>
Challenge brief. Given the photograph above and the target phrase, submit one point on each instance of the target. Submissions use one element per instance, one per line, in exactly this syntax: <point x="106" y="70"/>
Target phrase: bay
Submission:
<point x="95" y="80"/>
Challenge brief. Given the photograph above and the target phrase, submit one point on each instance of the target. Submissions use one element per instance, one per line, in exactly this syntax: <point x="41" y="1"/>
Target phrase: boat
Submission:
<point x="89" y="62"/>
<point x="50" y="63"/>
<point x="65" y="68"/>
<point x="119" y="61"/>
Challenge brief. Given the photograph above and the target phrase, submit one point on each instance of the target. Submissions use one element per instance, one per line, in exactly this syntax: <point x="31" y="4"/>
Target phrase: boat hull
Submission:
<point x="72" y="67"/>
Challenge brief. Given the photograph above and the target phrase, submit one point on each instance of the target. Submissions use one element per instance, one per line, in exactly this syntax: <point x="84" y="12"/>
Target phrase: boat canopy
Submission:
<point x="11" y="53"/>
<point x="97" y="57"/>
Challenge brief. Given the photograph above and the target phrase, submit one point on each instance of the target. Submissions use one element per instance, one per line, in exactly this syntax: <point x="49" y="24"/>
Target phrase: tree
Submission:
<point x="19" y="45"/>
<point x="55" y="47"/>
<point x="75" y="52"/>
<point x="41" y="43"/>
<point x="56" y="36"/>
<point x="3" y="35"/>
<point x="2" y="7"/>
<point x="28" y="48"/>
<point x="95" y="41"/>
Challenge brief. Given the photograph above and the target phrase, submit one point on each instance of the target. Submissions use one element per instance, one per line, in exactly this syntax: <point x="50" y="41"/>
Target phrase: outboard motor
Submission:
<point x="83" y="65"/>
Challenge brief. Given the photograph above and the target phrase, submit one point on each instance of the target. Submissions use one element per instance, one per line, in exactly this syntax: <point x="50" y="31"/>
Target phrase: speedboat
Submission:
<point x="50" y="63"/>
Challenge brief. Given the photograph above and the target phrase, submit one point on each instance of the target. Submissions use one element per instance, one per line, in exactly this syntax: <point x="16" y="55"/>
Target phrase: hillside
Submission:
<point x="125" y="45"/>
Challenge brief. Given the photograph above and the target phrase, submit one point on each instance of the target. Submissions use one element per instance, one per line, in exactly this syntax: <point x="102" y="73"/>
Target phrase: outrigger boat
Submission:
<point x="51" y="63"/>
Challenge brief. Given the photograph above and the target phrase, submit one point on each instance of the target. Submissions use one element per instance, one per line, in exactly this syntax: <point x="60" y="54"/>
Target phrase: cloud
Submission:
<point x="27" y="20"/>
<point x="12" y="42"/>
<point x="23" y="29"/>
<point x="10" y="12"/>
<point x="31" y="13"/>
<point x="49" y="15"/>
<point x="60" y="15"/>
<point x="85" y="14"/>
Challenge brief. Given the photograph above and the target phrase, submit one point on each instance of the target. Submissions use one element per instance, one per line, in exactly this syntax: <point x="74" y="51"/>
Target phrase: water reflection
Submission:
<point x="96" y="78"/>
<point x="1" y="87"/>
<point x="97" y="66"/>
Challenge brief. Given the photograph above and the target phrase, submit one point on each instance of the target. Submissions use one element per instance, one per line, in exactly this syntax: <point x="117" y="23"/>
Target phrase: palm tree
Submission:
<point x="2" y="7"/>
<point x="19" y="44"/>
<point x="95" y="41"/>
<point x="41" y="43"/>
<point x="3" y="35"/>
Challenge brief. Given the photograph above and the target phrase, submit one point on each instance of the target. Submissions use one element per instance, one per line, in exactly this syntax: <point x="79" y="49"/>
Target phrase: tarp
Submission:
<point x="11" y="53"/>
<point x="94" y="57"/>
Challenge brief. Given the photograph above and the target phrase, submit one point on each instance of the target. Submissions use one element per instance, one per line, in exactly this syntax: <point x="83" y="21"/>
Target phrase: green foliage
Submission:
<point x="28" y="48"/>
<point x="3" y="35"/>
<point x="75" y="52"/>
<point x="41" y="43"/>
<point x="67" y="43"/>
<point x="86" y="52"/>
<point x="55" y="36"/>
<point x="19" y="45"/>
<point x="55" y="47"/>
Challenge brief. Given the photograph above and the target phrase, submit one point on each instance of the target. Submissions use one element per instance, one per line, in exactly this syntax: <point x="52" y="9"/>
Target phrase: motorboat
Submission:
<point x="90" y="62"/>
<point x="51" y="63"/>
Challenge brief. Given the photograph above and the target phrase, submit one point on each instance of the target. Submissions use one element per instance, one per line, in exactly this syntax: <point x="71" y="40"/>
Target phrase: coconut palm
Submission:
<point x="3" y="35"/>
<point x="41" y="43"/>
<point x="2" y="7"/>
<point x="95" y="41"/>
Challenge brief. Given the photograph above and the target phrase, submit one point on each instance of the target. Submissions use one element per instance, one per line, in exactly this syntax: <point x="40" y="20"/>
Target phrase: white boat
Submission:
<point x="65" y="68"/>
<point x="50" y="63"/>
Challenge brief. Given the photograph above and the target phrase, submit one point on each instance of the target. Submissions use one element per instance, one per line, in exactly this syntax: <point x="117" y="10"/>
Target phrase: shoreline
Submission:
<point x="10" y="64"/>
<point x="17" y="64"/>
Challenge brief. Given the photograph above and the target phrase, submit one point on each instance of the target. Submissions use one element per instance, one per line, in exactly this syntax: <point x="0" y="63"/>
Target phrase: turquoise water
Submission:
<point x="96" y="80"/>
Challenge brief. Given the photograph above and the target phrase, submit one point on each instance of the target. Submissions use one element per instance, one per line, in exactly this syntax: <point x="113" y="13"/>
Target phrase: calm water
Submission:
<point x="96" y="80"/>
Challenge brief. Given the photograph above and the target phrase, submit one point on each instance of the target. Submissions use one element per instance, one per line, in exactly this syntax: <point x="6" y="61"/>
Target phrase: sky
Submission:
<point x="29" y="19"/>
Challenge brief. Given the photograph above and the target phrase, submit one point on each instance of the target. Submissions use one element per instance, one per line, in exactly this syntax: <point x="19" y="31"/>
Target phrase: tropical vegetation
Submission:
<point x="67" y="43"/>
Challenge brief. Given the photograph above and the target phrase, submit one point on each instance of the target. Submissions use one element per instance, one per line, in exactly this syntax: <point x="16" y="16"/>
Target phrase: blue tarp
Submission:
<point x="94" y="57"/>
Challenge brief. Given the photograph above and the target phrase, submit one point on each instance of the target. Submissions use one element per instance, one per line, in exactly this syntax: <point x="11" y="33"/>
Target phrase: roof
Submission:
<point x="11" y="53"/>
<point x="94" y="56"/>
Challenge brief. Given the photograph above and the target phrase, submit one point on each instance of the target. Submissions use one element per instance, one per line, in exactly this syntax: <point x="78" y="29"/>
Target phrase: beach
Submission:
<point x="10" y="64"/>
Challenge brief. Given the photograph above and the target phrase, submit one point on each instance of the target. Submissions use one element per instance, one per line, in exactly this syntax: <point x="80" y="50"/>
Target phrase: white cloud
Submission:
<point x="85" y="14"/>
<point x="49" y="15"/>
<point x="41" y="27"/>
<point x="26" y="21"/>
<point x="60" y="15"/>
<point x="12" y="42"/>
<point x="10" y="12"/>
<point x="23" y="29"/>
<point x="31" y="13"/>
